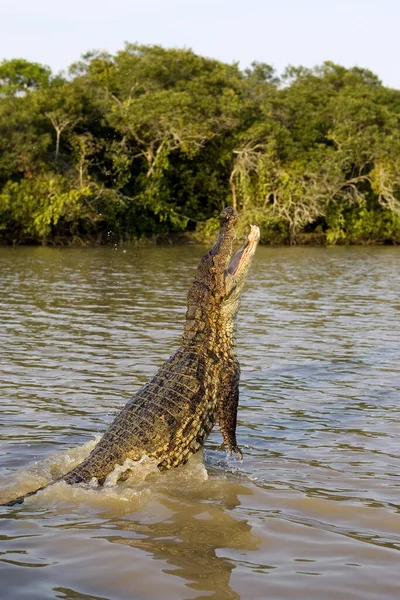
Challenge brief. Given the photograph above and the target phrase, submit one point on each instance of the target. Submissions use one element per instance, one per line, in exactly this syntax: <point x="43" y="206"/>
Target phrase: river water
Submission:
<point x="312" y="511"/>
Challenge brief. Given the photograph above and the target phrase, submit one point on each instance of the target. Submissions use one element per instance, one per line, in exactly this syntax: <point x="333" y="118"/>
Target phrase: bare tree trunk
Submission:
<point x="58" y="135"/>
<point x="60" y="123"/>
<point x="233" y="189"/>
<point x="153" y="160"/>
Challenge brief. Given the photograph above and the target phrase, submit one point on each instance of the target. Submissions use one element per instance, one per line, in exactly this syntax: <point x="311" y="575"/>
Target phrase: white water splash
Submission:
<point x="140" y="479"/>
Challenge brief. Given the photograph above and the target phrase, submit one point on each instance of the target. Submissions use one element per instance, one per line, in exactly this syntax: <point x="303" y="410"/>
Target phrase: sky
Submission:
<point x="277" y="32"/>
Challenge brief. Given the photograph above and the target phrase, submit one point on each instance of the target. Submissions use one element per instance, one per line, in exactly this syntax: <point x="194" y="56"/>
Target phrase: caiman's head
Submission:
<point x="213" y="299"/>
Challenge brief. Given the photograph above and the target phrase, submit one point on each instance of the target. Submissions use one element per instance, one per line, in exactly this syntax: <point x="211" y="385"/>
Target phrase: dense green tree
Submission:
<point x="18" y="76"/>
<point x="154" y="141"/>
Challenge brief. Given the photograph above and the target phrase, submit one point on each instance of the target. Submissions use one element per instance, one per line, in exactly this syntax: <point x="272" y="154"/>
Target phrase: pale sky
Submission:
<point x="298" y="32"/>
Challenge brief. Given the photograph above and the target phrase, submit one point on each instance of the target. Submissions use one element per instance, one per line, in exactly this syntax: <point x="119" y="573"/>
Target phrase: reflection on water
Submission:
<point x="313" y="509"/>
<point x="203" y="528"/>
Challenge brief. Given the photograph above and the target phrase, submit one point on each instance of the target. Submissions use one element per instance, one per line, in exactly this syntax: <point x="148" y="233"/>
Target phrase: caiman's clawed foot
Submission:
<point x="237" y="451"/>
<point x="231" y="449"/>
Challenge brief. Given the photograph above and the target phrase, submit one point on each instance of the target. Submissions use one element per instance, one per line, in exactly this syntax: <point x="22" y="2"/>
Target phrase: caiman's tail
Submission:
<point x="76" y="475"/>
<point x="21" y="499"/>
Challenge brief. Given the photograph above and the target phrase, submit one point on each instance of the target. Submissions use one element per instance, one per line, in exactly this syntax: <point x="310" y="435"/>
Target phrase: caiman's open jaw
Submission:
<point x="241" y="260"/>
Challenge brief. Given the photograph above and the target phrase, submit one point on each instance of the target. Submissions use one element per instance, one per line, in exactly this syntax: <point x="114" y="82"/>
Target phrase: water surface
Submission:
<point x="312" y="511"/>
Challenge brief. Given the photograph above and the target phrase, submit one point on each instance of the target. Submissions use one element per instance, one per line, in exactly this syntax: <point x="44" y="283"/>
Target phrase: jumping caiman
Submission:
<point x="170" y="417"/>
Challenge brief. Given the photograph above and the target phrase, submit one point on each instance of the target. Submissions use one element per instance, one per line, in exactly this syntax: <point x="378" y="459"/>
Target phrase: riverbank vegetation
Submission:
<point x="152" y="143"/>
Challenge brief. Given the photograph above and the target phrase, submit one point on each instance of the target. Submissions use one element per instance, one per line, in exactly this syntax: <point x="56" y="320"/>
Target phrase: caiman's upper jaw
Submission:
<point x="228" y="217"/>
<point x="241" y="260"/>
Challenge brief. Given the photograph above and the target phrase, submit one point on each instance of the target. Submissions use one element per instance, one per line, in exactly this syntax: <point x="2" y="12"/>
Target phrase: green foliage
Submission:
<point x="31" y="207"/>
<point x="206" y="231"/>
<point x="154" y="141"/>
<point x="19" y="76"/>
<point x="51" y="207"/>
<point x="360" y="224"/>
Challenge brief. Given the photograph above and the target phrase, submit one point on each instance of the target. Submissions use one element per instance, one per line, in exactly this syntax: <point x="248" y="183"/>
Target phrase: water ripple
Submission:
<point x="318" y="489"/>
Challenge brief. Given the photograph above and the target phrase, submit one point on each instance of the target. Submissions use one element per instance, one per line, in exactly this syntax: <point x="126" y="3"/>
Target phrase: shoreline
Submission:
<point x="190" y="239"/>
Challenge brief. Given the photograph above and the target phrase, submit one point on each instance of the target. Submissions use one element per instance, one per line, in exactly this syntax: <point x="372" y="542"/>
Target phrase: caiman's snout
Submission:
<point x="220" y="276"/>
<point x="228" y="215"/>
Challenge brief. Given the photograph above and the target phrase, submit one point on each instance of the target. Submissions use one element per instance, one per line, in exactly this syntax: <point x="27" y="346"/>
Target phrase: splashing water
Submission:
<point x="139" y="479"/>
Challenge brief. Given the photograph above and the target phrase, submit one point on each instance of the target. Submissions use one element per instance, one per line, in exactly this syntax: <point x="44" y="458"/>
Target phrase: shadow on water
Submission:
<point x="68" y="594"/>
<point x="189" y="540"/>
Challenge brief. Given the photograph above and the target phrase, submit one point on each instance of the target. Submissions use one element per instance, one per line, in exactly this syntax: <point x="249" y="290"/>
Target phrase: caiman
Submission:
<point x="170" y="417"/>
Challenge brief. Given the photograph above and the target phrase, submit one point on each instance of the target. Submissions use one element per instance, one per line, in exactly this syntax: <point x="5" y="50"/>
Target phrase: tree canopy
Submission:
<point x="152" y="142"/>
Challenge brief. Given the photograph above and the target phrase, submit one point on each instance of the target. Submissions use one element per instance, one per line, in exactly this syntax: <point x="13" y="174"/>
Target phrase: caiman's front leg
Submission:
<point x="227" y="410"/>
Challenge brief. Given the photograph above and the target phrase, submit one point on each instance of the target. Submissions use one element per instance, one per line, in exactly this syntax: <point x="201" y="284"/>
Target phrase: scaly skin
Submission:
<point x="171" y="416"/>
